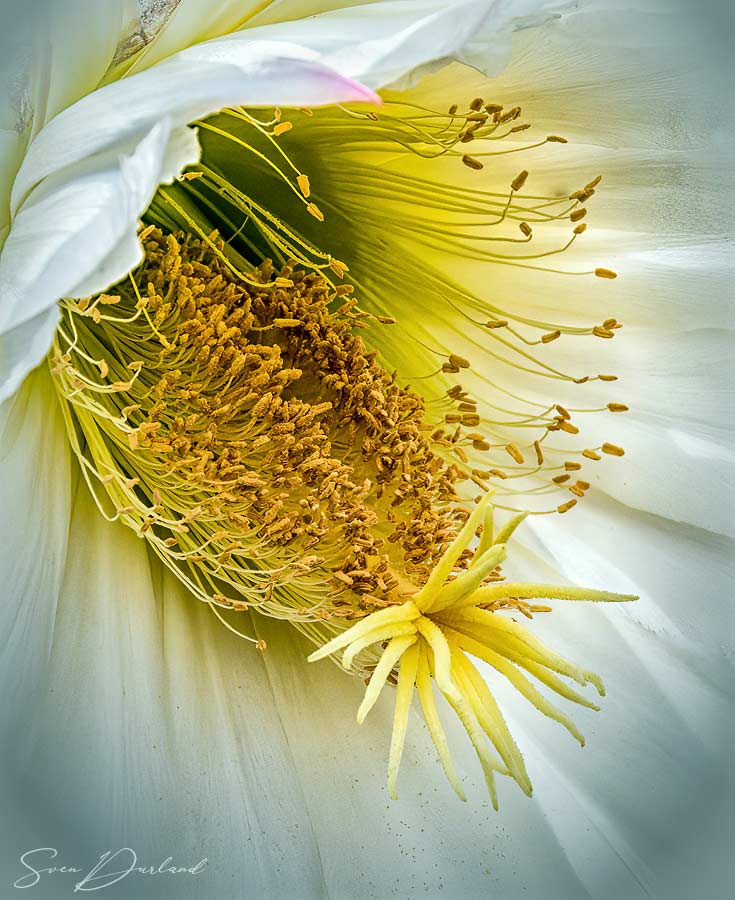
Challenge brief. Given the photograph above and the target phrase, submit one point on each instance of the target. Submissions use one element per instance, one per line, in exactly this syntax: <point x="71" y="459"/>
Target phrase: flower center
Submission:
<point x="428" y="193"/>
<point x="243" y="428"/>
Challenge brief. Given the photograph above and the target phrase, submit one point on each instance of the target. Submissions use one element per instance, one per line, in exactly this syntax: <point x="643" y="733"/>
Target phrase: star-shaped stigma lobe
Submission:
<point x="434" y="634"/>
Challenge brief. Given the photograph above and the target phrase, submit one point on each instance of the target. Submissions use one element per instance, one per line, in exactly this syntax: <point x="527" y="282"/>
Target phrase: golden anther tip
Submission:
<point x="617" y="407"/>
<point x="612" y="450"/>
<point x="601" y="332"/>
<point x="551" y="336"/>
<point x="303" y="182"/>
<point x="577" y="215"/>
<point x="314" y="210"/>
<point x="459" y="361"/>
<point x="261" y="645"/>
<point x="282" y="128"/>
<point x="519" y="180"/>
<point x="581" y="228"/>
<point x="608" y="377"/>
<point x="472" y="163"/>
<point x="565" y="507"/>
<point x="526" y="229"/>
<point x="605" y="273"/>
<point x="514" y="451"/>
<point x="556" y="139"/>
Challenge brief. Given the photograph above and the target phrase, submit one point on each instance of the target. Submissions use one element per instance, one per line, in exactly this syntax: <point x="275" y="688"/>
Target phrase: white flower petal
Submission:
<point x="36" y="487"/>
<point x="378" y="41"/>
<point x="650" y="779"/>
<point x="195" y="82"/>
<point x="385" y="42"/>
<point x="76" y="236"/>
<point x="23" y="347"/>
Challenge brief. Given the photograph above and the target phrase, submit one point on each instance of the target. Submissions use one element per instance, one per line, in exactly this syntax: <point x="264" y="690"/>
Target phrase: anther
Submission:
<point x="605" y="273"/>
<point x="459" y="361"/>
<point x="519" y="180"/>
<point x="550" y="336"/>
<point x="472" y="163"/>
<point x="514" y="451"/>
<point x="612" y="449"/>
<point x="617" y="407"/>
<point x="601" y="332"/>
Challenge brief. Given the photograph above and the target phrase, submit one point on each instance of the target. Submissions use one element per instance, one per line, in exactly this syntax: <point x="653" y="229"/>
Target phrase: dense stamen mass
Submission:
<point x="251" y="437"/>
<point x="392" y="168"/>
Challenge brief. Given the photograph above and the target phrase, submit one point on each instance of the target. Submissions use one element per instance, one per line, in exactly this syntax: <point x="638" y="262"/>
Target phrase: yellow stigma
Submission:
<point x="449" y="618"/>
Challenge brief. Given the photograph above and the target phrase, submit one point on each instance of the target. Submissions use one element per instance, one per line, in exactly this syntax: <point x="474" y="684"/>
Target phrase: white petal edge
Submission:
<point x="75" y="237"/>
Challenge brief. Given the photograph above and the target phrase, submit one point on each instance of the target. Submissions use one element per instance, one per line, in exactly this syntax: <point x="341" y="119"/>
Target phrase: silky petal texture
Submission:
<point x="421" y="31"/>
<point x="77" y="236"/>
<point x="41" y="74"/>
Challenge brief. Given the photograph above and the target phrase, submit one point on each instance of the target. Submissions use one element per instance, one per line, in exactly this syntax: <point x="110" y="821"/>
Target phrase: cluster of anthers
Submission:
<point x="382" y="172"/>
